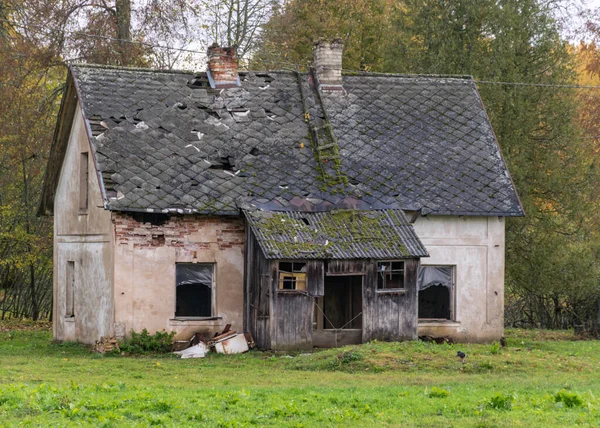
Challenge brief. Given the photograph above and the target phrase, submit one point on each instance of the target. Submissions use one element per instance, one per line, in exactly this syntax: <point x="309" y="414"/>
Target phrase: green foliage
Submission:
<point x="569" y="399"/>
<point x="348" y="357"/>
<point x="495" y="348"/>
<point x="436" y="392"/>
<point x="500" y="401"/>
<point x="146" y="343"/>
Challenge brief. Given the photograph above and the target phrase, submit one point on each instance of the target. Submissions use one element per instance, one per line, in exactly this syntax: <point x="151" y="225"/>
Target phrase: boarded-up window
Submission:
<point x="70" y="290"/>
<point x="83" y="181"/>
<point x="292" y="276"/>
<point x="194" y="290"/>
<point x="435" y="292"/>
<point x="390" y="275"/>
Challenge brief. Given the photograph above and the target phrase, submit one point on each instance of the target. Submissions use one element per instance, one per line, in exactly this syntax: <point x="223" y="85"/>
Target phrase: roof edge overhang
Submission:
<point x="502" y="159"/>
<point x="473" y="213"/>
<point x="60" y="142"/>
<point x="177" y="211"/>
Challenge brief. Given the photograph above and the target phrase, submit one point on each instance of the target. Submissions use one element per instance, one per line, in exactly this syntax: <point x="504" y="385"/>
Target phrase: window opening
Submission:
<point x="194" y="290"/>
<point x="83" y="181"/>
<point x="70" y="290"/>
<point x="435" y="292"/>
<point x="292" y="276"/>
<point x="390" y="275"/>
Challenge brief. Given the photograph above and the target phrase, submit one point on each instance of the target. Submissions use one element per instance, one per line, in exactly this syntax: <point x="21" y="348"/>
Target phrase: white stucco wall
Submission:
<point x="475" y="246"/>
<point x="84" y="238"/>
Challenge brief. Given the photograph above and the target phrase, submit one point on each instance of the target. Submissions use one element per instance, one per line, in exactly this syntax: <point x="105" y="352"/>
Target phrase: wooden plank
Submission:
<point x="293" y="321"/>
<point x="315" y="273"/>
<point x="347" y="267"/>
<point x="257" y="305"/>
<point x="390" y="316"/>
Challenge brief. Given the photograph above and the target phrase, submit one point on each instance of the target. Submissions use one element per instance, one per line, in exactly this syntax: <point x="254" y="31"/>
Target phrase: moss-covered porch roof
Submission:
<point x="337" y="234"/>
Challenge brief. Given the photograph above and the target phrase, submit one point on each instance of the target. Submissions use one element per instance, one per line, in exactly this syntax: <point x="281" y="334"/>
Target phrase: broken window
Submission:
<point x="292" y="276"/>
<point x="83" y="182"/>
<point x="390" y="275"/>
<point x="70" y="290"/>
<point x="194" y="290"/>
<point x="435" y="292"/>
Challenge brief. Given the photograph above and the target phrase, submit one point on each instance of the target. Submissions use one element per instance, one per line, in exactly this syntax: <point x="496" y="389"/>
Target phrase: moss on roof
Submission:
<point x="338" y="234"/>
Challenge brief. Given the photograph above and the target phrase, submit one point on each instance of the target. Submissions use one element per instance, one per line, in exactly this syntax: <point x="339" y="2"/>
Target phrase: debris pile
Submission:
<point x="106" y="344"/>
<point x="227" y="342"/>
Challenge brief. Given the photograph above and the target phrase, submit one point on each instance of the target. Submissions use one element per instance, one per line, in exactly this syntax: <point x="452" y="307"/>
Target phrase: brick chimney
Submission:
<point x="222" y="67"/>
<point x="328" y="64"/>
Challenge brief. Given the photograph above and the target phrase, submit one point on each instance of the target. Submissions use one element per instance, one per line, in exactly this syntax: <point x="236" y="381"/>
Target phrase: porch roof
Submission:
<point x="337" y="234"/>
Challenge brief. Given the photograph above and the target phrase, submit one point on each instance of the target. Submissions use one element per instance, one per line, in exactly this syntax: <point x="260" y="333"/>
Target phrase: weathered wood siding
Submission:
<point x="347" y="267"/>
<point x="390" y="315"/>
<point x="293" y="315"/>
<point x="315" y="277"/>
<point x="258" y="293"/>
<point x="284" y="319"/>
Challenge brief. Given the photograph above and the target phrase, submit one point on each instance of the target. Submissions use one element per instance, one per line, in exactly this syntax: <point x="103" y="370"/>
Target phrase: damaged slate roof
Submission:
<point x="167" y="142"/>
<point x="336" y="234"/>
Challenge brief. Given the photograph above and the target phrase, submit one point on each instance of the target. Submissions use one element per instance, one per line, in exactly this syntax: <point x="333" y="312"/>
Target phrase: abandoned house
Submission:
<point x="314" y="208"/>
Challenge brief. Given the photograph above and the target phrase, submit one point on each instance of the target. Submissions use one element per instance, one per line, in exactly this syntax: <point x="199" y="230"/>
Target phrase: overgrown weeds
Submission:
<point x="499" y="401"/>
<point x="568" y="399"/>
<point x="146" y="343"/>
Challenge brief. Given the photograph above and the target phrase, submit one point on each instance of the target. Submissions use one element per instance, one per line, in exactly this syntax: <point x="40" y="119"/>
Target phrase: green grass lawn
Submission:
<point x="540" y="379"/>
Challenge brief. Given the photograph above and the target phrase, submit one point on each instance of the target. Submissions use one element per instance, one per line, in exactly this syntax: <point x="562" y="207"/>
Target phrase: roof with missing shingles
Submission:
<point x="167" y="142"/>
<point x="336" y="234"/>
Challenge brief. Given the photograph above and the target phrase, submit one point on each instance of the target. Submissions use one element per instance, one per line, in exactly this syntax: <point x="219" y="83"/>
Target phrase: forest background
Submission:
<point x="536" y="63"/>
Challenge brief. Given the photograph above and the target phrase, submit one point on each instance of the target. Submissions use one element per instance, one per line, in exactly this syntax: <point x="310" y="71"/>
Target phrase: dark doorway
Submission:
<point x="338" y="314"/>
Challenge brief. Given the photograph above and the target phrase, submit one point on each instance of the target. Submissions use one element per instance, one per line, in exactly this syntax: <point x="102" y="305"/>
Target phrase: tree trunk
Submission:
<point x="123" y="16"/>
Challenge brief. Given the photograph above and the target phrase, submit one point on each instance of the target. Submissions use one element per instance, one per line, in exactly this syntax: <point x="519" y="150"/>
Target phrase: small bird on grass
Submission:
<point x="462" y="356"/>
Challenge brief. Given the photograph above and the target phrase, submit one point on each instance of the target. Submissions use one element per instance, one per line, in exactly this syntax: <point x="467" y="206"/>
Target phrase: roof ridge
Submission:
<point x="123" y="68"/>
<point x="156" y="70"/>
<point x="348" y="73"/>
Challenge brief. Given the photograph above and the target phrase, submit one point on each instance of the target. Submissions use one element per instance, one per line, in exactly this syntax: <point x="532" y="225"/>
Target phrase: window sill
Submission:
<point x="195" y="321"/>
<point x="391" y="291"/>
<point x="303" y="292"/>
<point x="69" y="319"/>
<point x="436" y="322"/>
<point x="83" y="212"/>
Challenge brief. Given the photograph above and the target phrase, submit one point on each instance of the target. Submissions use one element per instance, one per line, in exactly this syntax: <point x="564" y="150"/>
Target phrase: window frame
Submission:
<point x="84" y="179"/>
<point x="70" y="289"/>
<point x="390" y="290"/>
<point x="213" y="295"/>
<point x="296" y="276"/>
<point x="452" y="294"/>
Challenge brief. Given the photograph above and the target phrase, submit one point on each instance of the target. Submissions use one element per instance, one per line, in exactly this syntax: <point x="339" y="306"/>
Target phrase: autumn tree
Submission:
<point x="28" y="103"/>
<point x="364" y="25"/>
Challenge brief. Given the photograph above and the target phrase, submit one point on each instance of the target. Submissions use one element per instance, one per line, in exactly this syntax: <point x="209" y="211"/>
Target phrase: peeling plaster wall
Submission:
<point x="145" y="258"/>
<point x="85" y="238"/>
<point x="475" y="246"/>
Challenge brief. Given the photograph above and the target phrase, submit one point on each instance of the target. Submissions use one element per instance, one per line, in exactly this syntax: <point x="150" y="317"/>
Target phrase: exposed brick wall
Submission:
<point x="189" y="231"/>
<point x="222" y="63"/>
